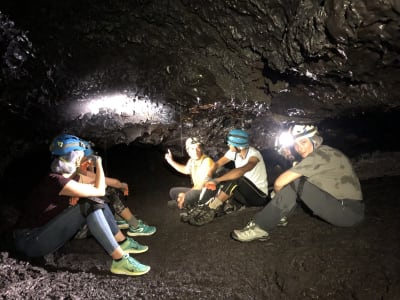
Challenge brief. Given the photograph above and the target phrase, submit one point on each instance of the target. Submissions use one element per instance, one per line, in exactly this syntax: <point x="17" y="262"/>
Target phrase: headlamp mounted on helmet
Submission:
<point x="296" y="132"/>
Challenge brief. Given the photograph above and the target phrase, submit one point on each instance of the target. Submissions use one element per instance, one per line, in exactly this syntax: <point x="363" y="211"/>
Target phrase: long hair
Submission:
<point x="316" y="140"/>
<point x="66" y="164"/>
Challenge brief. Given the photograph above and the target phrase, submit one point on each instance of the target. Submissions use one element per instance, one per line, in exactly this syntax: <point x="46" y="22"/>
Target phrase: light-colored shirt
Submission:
<point x="257" y="175"/>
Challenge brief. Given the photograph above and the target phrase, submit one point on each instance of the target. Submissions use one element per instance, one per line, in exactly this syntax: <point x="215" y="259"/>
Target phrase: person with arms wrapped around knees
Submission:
<point x="198" y="167"/>
<point x="64" y="202"/>
<point x="115" y="192"/>
<point x="246" y="184"/>
<point x="323" y="180"/>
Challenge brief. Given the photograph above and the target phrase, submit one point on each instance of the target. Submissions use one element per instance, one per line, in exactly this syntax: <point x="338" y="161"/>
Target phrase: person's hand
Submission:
<point x="85" y="164"/>
<point x="181" y="200"/>
<point x="94" y="159"/>
<point x="168" y="156"/>
<point x="125" y="188"/>
<point x="73" y="201"/>
<point x="211" y="184"/>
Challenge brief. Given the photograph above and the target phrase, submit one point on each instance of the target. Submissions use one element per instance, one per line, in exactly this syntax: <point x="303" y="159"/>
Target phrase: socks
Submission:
<point x="121" y="242"/>
<point x="133" y="222"/>
<point x="215" y="203"/>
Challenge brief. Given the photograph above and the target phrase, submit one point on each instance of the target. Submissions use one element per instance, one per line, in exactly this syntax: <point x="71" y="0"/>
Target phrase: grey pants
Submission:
<point x="344" y="213"/>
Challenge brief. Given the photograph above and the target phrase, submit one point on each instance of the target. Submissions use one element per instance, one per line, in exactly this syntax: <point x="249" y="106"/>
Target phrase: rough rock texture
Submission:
<point x="175" y="67"/>
<point x="144" y="72"/>
<point x="308" y="259"/>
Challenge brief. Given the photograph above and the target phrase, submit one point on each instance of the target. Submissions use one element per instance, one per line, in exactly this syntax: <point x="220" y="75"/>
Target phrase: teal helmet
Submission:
<point x="66" y="143"/>
<point x="238" y="138"/>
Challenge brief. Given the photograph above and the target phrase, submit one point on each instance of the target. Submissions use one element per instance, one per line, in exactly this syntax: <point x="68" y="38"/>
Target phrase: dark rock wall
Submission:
<point x="197" y="67"/>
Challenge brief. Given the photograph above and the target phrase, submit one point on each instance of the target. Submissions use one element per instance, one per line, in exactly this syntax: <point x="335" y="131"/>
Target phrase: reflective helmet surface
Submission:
<point x="192" y="141"/>
<point x="238" y="138"/>
<point x="302" y="131"/>
<point x="66" y="143"/>
<point x="88" y="148"/>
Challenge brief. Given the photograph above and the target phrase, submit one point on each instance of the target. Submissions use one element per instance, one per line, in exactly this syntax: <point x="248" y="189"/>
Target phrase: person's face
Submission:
<point x="79" y="158"/>
<point x="194" y="151"/>
<point x="233" y="148"/>
<point x="303" y="147"/>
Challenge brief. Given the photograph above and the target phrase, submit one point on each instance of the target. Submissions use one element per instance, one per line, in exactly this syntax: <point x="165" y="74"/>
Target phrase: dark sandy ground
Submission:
<point x="308" y="259"/>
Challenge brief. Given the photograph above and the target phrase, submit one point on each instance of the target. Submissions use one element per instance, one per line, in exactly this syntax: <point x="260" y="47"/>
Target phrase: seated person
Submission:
<point x="323" y="180"/>
<point x="247" y="183"/>
<point x="198" y="167"/>
<point x="64" y="202"/>
<point x="115" y="191"/>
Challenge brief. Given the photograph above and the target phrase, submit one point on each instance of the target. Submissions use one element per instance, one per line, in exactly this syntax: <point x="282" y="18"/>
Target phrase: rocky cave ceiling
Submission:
<point x="158" y="71"/>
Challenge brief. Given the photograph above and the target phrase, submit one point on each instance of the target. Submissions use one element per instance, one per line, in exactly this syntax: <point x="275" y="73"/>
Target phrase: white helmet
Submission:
<point x="191" y="142"/>
<point x="302" y="131"/>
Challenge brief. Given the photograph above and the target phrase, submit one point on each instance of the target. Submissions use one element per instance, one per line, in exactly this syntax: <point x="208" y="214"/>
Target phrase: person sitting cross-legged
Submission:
<point x="198" y="166"/>
<point x="247" y="183"/>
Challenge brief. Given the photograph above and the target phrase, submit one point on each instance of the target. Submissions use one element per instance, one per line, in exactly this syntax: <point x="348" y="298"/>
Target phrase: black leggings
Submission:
<point x="245" y="192"/>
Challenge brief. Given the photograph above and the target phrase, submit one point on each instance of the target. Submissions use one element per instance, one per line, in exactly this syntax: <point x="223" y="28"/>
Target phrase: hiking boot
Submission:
<point x="283" y="222"/>
<point x="122" y="224"/>
<point x="142" y="230"/>
<point x="250" y="232"/>
<point x="131" y="246"/>
<point x="172" y="204"/>
<point x="231" y="206"/>
<point x="206" y="215"/>
<point x="191" y="213"/>
<point x="128" y="266"/>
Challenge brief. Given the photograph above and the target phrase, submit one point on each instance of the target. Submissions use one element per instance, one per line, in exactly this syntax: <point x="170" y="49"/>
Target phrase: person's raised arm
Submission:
<point x="177" y="166"/>
<point x="97" y="189"/>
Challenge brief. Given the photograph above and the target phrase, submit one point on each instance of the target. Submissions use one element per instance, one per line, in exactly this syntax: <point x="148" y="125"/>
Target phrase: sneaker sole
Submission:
<point x="123" y="272"/>
<point x="136" y="251"/>
<point x="124" y="226"/>
<point x="261" y="239"/>
<point x="140" y="233"/>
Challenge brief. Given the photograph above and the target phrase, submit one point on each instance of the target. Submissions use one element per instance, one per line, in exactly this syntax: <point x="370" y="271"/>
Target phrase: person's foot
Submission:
<point x="141" y="230"/>
<point x="128" y="266"/>
<point x="122" y="224"/>
<point x="131" y="246"/>
<point x="250" y="232"/>
<point x="231" y="206"/>
<point x="191" y="213"/>
<point x="172" y="204"/>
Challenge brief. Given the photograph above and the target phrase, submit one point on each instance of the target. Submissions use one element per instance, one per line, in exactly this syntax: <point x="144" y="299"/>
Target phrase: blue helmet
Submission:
<point x="88" y="148"/>
<point x="238" y="138"/>
<point x="66" y="143"/>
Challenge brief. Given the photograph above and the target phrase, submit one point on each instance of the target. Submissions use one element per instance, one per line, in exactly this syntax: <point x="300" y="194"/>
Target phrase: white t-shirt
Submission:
<point x="257" y="175"/>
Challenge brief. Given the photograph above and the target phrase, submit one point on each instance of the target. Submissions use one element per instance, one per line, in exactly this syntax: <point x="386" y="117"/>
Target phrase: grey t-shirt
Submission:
<point x="331" y="171"/>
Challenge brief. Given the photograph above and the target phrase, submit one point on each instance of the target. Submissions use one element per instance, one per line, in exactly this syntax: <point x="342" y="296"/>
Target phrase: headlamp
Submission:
<point x="284" y="140"/>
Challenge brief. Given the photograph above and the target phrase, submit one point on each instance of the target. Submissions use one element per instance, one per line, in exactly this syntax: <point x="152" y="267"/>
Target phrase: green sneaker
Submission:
<point x="128" y="266"/>
<point x="142" y="229"/>
<point x="122" y="224"/>
<point x="131" y="246"/>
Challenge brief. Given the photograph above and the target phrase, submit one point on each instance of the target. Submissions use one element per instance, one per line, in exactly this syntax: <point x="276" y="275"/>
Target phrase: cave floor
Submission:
<point x="308" y="259"/>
